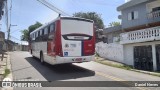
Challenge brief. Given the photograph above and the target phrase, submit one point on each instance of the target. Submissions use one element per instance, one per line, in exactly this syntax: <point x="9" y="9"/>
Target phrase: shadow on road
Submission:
<point x="59" y="72"/>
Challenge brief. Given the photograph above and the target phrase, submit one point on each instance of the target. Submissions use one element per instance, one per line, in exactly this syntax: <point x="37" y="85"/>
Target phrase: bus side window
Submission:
<point x="46" y="31"/>
<point x="49" y="30"/>
<point x="52" y="27"/>
<point x="32" y="36"/>
<point x="38" y="33"/>
<point x="42" y="31"/>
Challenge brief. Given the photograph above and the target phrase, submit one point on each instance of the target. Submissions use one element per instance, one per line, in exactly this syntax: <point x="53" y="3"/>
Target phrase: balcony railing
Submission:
<point x="153" y="15"/>
<point x="144" y="35"/>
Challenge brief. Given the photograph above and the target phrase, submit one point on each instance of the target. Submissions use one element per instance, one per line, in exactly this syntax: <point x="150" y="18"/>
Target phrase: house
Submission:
<point x="141" y="33"/>
<point x="112" y="34"/>
<point x="8" y="45"/>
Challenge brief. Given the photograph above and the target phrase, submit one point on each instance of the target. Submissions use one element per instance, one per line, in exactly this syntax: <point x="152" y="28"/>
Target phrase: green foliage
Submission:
<point x="7" y="71"/>
<point x="25" y="35"/>
<point x="26" y="32"/>
<point x="34" y="27"/>
<point x="112" y="24"/>
<point x="93" y="16"/>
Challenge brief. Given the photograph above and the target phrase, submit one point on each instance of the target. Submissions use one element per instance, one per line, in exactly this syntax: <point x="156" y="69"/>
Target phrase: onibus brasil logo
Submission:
<point x="7" y="83"/>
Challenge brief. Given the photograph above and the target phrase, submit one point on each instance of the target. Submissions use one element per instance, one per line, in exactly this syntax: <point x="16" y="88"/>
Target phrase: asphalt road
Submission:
<point x="26" y="67"/>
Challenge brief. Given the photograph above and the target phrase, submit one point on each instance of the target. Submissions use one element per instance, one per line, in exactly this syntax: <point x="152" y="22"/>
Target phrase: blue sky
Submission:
<point x="27" y="12"/>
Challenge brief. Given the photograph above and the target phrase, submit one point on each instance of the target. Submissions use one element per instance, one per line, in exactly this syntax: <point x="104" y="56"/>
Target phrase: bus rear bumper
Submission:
<point x="61" y="60"/>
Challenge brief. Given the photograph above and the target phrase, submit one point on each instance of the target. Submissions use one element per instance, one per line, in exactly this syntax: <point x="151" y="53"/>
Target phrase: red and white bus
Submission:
<point x="64" y="40"/>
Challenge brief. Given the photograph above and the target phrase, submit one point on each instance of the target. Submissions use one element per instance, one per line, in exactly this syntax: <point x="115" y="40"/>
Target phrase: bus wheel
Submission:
<point x="42" y="58"/>
<point x="31" y="51"/>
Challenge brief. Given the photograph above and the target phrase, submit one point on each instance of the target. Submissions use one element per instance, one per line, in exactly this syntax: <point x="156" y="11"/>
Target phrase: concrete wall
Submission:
<point x="111" y="51"/>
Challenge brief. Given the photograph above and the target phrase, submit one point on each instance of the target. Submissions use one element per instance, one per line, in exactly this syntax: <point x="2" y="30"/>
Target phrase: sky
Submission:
<point x="26" y="12"/>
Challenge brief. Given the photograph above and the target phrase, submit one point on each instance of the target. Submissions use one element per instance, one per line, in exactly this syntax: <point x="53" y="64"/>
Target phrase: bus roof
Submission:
<point x="71" y="18"/>
<point x="77" y="18"/>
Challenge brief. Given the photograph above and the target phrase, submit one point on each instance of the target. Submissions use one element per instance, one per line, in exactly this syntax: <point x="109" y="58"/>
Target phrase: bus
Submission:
<point x="64" y="40"/>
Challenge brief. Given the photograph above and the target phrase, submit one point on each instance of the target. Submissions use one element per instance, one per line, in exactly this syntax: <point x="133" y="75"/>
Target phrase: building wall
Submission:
<point x="2" y="36"/>
<point x="129" y="52"/>
<point x="142" y="16"/>
<point x="110" y="36"/>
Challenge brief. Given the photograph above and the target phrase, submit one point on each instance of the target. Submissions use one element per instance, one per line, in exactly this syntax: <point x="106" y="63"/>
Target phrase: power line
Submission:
<point x="15" y="38"/>
<point x="52" y="7"/>
<point x="102" y="3"/>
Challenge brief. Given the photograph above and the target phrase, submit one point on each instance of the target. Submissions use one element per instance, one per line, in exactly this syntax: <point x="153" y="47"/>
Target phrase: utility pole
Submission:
<point x="9" y="28"/>
<point x="6" y="14"/>
<point x="9" y="31"/>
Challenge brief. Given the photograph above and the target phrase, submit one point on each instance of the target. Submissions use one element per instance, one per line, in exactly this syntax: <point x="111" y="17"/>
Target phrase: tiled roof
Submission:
<point x="113" y="29"/>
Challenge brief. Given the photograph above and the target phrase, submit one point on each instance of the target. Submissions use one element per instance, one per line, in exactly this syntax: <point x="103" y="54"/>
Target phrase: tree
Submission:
<point x="112" y="24"/>
<point x="93" y="16"/>
<point x="26" y="32"/>
<point x="25" y="35"/>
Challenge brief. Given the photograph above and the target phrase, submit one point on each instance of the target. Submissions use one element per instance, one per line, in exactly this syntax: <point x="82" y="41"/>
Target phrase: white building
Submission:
<point x="141" y="33"/>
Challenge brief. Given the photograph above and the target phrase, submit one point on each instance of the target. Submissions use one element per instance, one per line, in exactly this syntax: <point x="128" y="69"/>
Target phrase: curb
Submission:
<point x="147" y="72"/>
<point x="135" y="70"/>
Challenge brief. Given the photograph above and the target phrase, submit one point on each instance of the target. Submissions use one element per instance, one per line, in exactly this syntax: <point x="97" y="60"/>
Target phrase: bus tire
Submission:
<point x="31" y="51"/>
<point x="41" y="58"/>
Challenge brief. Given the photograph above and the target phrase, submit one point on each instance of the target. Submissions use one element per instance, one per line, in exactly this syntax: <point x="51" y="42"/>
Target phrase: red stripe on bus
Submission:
<point x="89" y="45"/>
<point x="58" y="42"/>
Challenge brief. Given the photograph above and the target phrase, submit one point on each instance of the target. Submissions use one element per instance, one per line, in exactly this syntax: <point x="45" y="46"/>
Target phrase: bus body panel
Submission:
<point x="75" y="29"/>
<point x="73" y="42"/>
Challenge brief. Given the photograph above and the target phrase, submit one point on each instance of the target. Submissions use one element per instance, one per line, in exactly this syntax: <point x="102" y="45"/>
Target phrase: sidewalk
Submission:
<point x="3" y="65"/>
<point x="123" y="66"/>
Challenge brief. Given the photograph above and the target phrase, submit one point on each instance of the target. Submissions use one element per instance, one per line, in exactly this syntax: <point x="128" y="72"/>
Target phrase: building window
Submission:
<point x="133" y="15"/>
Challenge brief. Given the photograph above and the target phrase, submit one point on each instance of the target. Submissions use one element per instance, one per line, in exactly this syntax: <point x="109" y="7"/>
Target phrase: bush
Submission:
<point x="7" y="71"/>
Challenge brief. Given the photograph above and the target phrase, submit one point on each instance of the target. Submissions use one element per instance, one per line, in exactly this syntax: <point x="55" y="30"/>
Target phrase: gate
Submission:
<point x="143" y="58"/>
<point x="158" y="56"/>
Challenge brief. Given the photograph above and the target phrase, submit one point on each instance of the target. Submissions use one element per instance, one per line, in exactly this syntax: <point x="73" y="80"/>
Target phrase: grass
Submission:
<point x="6" y="72"/>
<point x="115" y="65"/>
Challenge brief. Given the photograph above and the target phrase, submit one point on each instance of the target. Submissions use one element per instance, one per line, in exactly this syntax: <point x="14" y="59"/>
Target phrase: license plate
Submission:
<point x="78" y="59"/>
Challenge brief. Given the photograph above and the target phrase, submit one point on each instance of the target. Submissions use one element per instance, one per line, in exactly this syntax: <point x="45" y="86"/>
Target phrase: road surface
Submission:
<point x="26" y="67"/>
